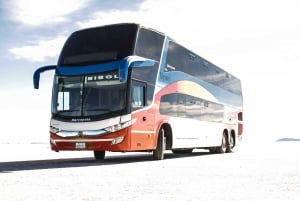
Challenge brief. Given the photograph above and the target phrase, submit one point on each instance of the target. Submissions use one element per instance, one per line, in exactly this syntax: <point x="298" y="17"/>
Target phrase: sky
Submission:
<point x="256" y="40"/>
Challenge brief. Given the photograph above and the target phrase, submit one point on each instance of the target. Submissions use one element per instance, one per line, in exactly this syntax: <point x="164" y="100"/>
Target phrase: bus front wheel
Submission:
<point x="158" y="153"/>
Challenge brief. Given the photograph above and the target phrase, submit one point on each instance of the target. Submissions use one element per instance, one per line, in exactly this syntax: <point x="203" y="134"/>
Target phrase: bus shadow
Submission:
<point x="9" y="167"/>
<point x="288" y="139"/>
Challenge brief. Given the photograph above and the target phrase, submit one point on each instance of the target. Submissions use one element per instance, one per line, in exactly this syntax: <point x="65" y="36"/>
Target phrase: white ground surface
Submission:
<point x="269" y="171"/>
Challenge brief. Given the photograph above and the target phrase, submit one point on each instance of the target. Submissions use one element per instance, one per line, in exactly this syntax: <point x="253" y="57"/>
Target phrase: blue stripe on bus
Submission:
<point x="121" y="65"/>
<point x="143" y="63"/>
<point x="90" y="69"/>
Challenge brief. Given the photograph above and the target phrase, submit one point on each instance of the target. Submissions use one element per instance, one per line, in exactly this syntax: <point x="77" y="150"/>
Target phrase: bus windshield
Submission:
<point x="87" y="96"/>
<point x="98" y="45"/>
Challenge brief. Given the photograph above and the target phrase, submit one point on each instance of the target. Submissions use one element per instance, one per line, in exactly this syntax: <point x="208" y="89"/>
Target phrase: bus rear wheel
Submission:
<point x="158" y="153"/>
<point x="223" y="147"/>
<point x="99" y="155"/>
<point x="230" y="144"/>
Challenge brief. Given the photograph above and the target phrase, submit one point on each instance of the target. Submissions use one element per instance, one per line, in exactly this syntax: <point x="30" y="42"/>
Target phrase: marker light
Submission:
<point x="117" y="140"/>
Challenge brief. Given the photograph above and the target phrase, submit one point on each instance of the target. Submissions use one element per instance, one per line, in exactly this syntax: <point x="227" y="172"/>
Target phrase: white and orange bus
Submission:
<point x="125" y="87"/>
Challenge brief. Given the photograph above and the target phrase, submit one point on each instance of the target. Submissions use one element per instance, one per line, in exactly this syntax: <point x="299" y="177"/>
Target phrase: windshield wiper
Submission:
<point x="66" y="111"/>
<point x="99" y="109"/>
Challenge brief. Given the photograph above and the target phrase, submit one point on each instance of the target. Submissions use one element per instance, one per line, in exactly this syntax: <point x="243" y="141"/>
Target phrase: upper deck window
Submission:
<point x="149" y="44"/>
<point x="181" y="59"/>
<point x="99" y="45"/>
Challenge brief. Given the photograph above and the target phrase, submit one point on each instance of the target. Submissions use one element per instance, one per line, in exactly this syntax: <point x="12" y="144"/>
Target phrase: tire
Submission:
<point x="223" y="148"/>
<point x="158" y="153"/>
<point x="230" y="144"/>
<point x="99" y="155"/>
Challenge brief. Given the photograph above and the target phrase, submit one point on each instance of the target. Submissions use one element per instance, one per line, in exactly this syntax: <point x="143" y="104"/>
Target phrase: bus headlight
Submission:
<point x="53" y="129"/>
<point x="113" y="128"/>
<point x="117" y="140"/>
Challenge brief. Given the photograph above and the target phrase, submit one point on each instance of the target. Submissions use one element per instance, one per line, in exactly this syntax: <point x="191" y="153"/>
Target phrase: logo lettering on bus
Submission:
<point x="102" y="77"/>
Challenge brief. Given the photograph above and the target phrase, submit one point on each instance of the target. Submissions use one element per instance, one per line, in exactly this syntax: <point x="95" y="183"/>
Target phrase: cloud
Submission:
<point x="39" y="51"/>
<point x="115" y="16"/>
<point x="206" y="28"/>
<point x="38" y="13"/>
<point x="215" y="20"/>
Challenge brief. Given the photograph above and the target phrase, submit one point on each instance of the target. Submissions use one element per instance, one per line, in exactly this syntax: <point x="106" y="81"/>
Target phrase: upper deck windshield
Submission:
<point x="88" y="96"/>
<point x="99" y="45"/>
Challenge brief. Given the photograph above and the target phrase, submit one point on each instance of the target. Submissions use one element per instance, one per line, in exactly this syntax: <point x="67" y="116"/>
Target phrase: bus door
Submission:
<point x="142" y="132"/>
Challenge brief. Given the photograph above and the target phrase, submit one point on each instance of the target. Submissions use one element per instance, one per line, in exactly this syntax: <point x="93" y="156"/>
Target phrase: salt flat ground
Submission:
<point x="267" y="171"/>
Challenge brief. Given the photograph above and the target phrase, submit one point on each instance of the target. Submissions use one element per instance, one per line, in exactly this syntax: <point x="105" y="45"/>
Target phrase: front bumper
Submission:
<point x="117" y="141"/>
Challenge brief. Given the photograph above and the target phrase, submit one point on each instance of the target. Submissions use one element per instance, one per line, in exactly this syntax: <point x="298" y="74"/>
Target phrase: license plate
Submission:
<point x="80" y="145"/>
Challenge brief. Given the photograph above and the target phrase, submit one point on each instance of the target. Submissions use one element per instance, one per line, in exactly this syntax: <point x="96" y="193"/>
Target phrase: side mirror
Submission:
<point x="36" y="75"/>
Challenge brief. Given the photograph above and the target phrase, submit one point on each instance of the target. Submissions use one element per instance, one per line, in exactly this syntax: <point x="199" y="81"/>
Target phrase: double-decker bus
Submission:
<point x="126" y="87"/>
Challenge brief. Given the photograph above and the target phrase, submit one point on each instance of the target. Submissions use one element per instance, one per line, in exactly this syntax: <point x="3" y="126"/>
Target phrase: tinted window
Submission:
<point x="176" y="58"/>
<point x="147" y="73"/>
<point x="138" y="92"/>
<point x="149" y="44"/>
<point x="181" y="59"/>
<point x="98" y="45"/>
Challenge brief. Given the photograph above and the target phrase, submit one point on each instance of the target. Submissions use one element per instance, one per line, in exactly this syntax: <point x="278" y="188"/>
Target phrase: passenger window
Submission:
<point x="149" y="44"/>
<point x="138" y="95"/>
